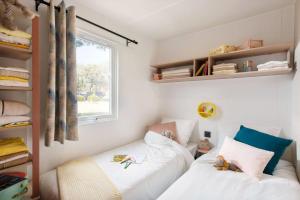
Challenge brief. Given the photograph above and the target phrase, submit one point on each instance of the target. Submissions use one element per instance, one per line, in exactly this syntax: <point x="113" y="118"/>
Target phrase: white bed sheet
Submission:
<point x="203" y="182"/>
<point x="162" y="165"/>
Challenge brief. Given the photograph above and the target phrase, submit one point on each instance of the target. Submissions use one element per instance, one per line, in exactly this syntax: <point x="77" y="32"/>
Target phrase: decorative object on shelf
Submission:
<point x="223" y="49"/>
<point x="248" y="66"/>
<point x="8" y="10"/>
<point x="225" y="68"/>
<point x="62" y="77"/>
<point x="253" y="44"/>
<point x="13" y="108"/>
<point x="156" y="76"/>
<point x="203" y="70"/>
<point x="207" y="110"/>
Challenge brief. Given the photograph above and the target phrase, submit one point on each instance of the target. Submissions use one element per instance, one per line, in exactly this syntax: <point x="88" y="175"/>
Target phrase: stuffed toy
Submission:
<point x="8" y="10"/>
<point x="222" y="165"/>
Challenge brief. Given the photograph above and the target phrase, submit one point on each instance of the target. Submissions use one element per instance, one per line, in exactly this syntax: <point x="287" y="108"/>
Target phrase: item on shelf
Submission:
<point x="16" y="124"/>
<point x="176" y="73"/>
<point x="13" y="108"/>
<point x="12" y="187"/>
<point x="253" y="44"/>
<point x="248" y="66"/>
<point x="273" y="65"/>
<point x="14" y="77"/>
<point x="225" y="68"/>
<point x="13" y="120"/>
<point x="207" y="110"/>
<point x="17" y="39"/>
<point x="13" y="152"/>
<point x="8" y="10"/>
<point x="223" y="49"/>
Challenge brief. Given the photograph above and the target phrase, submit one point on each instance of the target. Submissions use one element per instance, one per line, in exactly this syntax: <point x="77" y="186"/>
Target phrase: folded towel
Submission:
<point x="12" y="145"/>
<point x="272" y="64"/>
<point x="17" y="33"/>
<point x="13" y="108"/>
<point x="10" y="73"/>
<point x="11" y="78"/>
<point x="172" y="71"/>
<point x="15" y="69"/>
<point x="16" y="124"/>
<point x="273" y="69"/>
<point x="4" y="120"/>
<point x="12" y="157"/>
<point x="225" y="72"/>
<point x="22" y="46"/>
<point x="15" y="162"/>
<point x="14" y="40"/>
<point x="14" y="83"/>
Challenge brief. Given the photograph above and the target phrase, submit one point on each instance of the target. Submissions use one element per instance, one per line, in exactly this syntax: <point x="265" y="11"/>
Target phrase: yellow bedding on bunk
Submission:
<point x="11" y="78"/>
<point x="84" y="179"/>
<point x="12" y="145"/>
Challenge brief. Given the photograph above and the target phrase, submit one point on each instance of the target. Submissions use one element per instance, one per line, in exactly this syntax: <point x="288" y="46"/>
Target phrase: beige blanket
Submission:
<point x="83" y="179"/>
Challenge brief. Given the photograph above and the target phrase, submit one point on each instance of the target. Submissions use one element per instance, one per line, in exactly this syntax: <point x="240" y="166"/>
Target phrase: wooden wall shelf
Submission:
<point x="14" y="52"/>
<point x="267" y="50"/>
<point x="229" y="76"/>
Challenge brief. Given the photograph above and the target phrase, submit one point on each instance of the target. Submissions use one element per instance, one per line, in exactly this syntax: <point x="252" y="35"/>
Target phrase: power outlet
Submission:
<point x="207" y="134"/>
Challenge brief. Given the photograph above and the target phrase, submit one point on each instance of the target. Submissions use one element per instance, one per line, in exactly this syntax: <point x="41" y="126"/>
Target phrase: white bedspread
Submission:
<point x="203" y="182"/>
<point x="163" y="162"/>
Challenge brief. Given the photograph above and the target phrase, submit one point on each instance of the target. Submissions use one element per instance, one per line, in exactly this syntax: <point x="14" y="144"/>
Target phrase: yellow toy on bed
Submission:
<point x="222" y="165"/>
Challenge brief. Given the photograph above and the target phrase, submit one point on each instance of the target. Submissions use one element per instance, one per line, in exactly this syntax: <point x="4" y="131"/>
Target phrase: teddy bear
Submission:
<point x="222" y="165"/>
<point x="8" y="9"/>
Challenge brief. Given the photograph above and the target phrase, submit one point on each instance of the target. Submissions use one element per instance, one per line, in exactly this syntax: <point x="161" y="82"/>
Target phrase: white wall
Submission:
<point x="135" y="92"/>
<point x="296" y="85"/>
<point x="264" y="100"/>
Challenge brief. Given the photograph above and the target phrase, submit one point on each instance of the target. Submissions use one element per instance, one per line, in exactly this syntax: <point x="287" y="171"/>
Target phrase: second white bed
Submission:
<point x="203" y="181"/>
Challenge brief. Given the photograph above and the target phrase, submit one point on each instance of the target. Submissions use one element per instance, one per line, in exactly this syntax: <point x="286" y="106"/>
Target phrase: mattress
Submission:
<point x="139" y="181"/>
<point x="203" y="181"/>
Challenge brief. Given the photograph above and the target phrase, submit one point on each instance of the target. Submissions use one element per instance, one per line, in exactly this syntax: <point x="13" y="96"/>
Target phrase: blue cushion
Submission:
<point x="264" y="141"/>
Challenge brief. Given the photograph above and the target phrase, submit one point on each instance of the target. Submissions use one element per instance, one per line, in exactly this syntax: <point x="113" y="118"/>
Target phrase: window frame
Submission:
<point x="114" y="83"/>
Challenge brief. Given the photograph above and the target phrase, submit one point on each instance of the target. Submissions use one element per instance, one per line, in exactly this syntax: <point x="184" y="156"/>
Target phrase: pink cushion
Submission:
<point x="249" y="159"/>
<point x="166" y="129"/>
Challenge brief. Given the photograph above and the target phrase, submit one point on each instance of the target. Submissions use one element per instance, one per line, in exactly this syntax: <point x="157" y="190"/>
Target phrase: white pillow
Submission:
<point x="230" y="129"/>
<point x="249" y="159"/>
<point x="184" y="129"/>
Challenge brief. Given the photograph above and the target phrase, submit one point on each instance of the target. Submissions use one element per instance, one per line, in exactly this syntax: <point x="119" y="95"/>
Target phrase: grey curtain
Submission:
<point x="62" y="77"/>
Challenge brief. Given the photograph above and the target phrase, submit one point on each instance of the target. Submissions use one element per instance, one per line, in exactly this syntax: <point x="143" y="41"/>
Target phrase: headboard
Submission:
<point x="291" y="155"/>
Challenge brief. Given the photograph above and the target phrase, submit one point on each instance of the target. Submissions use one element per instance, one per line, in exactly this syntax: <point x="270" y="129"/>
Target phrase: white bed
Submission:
<point x="203" y="181"/>
<point x="162" y="158"/>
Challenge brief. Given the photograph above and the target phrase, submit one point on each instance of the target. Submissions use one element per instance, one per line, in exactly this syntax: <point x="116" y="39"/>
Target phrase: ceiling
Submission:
<point x="162" y="19"/>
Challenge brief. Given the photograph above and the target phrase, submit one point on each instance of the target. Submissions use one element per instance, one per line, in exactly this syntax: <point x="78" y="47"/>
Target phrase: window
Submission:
<point x="96" y="78"/>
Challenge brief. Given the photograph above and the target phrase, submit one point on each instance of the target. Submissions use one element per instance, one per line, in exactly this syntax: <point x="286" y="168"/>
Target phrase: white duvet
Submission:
<point x="203" y="182"/>
<point x="162" y="162"/>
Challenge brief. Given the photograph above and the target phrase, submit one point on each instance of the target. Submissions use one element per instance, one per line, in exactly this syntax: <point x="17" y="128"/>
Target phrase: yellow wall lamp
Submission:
<point x="207" y="110"/>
